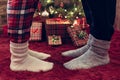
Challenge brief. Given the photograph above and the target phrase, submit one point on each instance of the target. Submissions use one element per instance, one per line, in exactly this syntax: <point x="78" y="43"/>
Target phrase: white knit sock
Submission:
<point x="30" y="64"/>
<point x="79" y="51"/>
<point x="87" y="60"/>
<point x="39" y="55"/>
<point x="22" y="61"/>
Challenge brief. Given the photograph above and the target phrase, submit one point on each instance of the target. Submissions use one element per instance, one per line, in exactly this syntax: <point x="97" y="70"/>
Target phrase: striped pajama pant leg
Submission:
<point x="19" y="19"/>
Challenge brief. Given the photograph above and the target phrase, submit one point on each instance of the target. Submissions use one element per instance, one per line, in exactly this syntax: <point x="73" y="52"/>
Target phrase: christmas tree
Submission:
<point x="69" y="9"/>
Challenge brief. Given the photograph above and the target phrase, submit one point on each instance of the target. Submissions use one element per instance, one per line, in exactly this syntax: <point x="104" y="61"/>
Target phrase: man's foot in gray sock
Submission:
<point x="79" y="51"/>
<point x="96" y="55"/>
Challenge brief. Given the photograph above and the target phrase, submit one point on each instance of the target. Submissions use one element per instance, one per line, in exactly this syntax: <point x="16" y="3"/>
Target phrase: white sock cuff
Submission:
<point x="19" y="45"/>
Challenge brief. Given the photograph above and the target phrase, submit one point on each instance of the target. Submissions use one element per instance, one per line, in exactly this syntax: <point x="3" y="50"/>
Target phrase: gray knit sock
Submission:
<point x="79" y="51"/>
<point x="87" y="60"/>
<point x="96" y="55"/>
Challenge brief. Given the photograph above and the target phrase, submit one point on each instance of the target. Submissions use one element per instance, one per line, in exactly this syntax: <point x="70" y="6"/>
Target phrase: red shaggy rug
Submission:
<point x="110" y="71"/>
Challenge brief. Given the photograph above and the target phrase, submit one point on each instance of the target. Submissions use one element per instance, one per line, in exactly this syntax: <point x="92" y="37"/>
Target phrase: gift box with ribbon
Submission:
<point x="36" y="31"/>
<point x="54" y="40"/>
<point x="57" y="26"/>
<point x="78" y="35"/>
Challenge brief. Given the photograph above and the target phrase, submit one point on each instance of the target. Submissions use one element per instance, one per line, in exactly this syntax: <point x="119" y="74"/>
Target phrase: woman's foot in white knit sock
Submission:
<point x="39" y="55"/>
<point x="22" y="61"/>
<point x="79" y="51"/>
<point x="31" y="64"/>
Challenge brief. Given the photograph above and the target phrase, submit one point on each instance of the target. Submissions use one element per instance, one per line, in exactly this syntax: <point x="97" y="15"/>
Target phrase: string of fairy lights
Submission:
<point x="69" y="9"/>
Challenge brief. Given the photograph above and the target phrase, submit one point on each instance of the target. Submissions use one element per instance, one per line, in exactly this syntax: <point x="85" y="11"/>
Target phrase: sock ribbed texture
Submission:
<point x="22" y="61"/>
<point x="39" y="55"/>
<point x="96" y="55"/>
<point x="79" y="51"/>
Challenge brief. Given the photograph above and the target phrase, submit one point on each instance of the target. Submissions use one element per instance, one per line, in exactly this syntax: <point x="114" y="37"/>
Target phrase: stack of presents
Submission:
<point x="58" y="31"/>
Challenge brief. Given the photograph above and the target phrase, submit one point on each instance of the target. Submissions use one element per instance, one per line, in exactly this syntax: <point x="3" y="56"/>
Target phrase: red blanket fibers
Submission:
<point x="110" y="71"/>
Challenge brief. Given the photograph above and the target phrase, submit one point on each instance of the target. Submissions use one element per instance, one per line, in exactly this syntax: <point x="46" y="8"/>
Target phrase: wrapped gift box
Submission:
<point x="78" y="36"/>
<point x="54" y="40"/>
<point x="57" y="26"/>
<point x="36" y="31"/>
